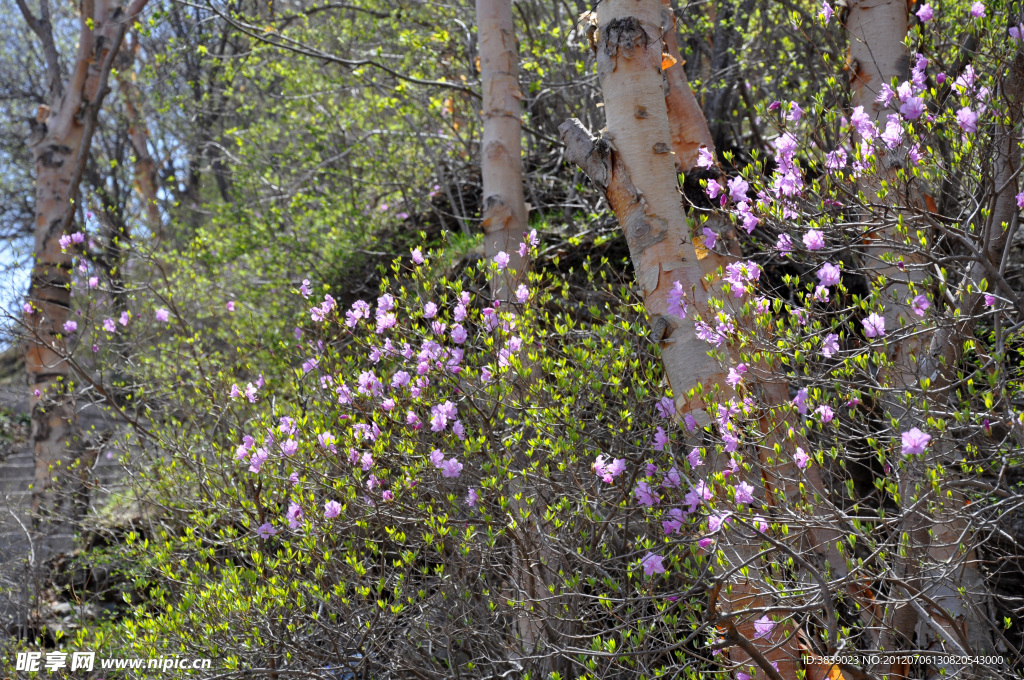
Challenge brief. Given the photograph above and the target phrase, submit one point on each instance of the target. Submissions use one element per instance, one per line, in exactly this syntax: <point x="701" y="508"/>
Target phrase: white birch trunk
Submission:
<point x="504" y="209"/>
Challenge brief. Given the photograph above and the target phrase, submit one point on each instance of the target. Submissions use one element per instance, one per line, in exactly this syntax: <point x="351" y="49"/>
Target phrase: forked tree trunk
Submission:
<point x="637" y="172"/>
<point x="504" y="209"/>
<point x="60" y="141"/>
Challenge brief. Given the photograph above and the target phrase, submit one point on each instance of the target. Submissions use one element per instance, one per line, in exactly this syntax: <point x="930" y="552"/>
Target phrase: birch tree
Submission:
<point x="504" y="208"/>
<point x="61" y="136"/>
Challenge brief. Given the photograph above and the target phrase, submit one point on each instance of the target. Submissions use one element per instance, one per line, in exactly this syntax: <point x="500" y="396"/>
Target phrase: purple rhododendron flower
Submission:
<point x="294" y="515"/>
<point x="801" y="458"/>
<point x="70" y="326"/>
<point x="673" y="480"/>
<point x="826" y="12"/>
<point x="676" y="305"/>
<point x="830" y="345"/>
<point x="472" y="497"/>
<point x="266" y="530"/>
<point x="673" y="525"/>
<point x="814" y="240"/>
<point x="978" y="10"/>
<point x="645" y="495"/>
<point x="926" y="13"/>
<point x="914" y="442"/>
<point x="738" y="188"/>
<point x="967" y="120"/>
<point x="913" y="108"/>
<point x="744" y="493"/>
<point x="660" y="439"/>
<point x="800" y="401"/>
<point x="835" y="160"/>
<point x="502" y="259"/>
<point x="874" y="325"/>
<point x="665" y="407"/>
<point x="704" y="158"/>
<point x="763" y="627"/>
<point x="417" y="256"/>
<point x="829" y="274"/>
<point x="989" y="300"/>
<point x="429" y="310"/>
<point x="695" y="458"/>
<point x="451" y="468"/>
<point x="710" y="239"/>
<point x="332" y="509"/>
<point x="919" y="304"/>
<point x="652" y="564"/>
<point x="825" y="413"/>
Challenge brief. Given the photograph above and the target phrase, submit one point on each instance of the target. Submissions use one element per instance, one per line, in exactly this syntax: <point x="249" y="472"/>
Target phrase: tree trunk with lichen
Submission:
<point x="504" y="208"/>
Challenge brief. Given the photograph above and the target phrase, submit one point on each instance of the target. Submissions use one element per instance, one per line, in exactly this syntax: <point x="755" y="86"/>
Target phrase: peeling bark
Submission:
<point x="686" y="119"/>
<point x="60" y="142"/>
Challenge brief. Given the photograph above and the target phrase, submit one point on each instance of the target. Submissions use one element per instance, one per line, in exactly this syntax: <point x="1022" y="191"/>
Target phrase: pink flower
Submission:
<point x="801" y="458"/>
<point x="387" y="496"/>
<point x="760" y="524"/>
<point x="738" y="188"/>
<point x="710" y="238"/>
<point x="825" y="413"/>
<point x="826" y="12"/>
<point x="919" y="304"/>
<point x="835" y="160"/>
<point x="645" y="495"/>
<point x="94" y="281"/>
<point x="266" y="530"/>
<point x="472" y="497"/>
<point x="814" y="240"/>
<point x="163" y="315"/>
<point x="332" y="509"/>
<point x="704" y="158"/>
<point x="522" y="294"/>
<point x="108" y="326"/>
<point x="784" y="244"/>
<point x="451" y="468"/>
<point x="676" y="304"/>
<point x="672" y="526"/>
<point x="705" y="542"/>
<point x="258" y="458"/>
<point x="294" y="515"/>
<point x="672" y="479"/>
<point x="744" y="493"/>
<point x="305" y="290"/>
<point x="70" y="326"/>
<point x="830" y="345"/>
<point x="429" y="310"/>
<point x="735" y="376"/>
<point x="829" y="274"/>
<point x="417" y="256"/>
<point x="652" y="564"/>
<point x="913" y="108"/>
<point x="874" y="325"/>
<point x="502" y="259"/>
<point x="665" y="407"/>
<point x="695" y="458"/>
<point x="989" y="300"/>
<point x="763" y="627"/>
<point x="795" y="112"/>
<point x="978" y="10"/>
<point x="914" y="442"/>
<point x="967" y="119"/>
<point x="800" y="401"/>
<point x="925" y="14"/>
<point x="660" y="439"/>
